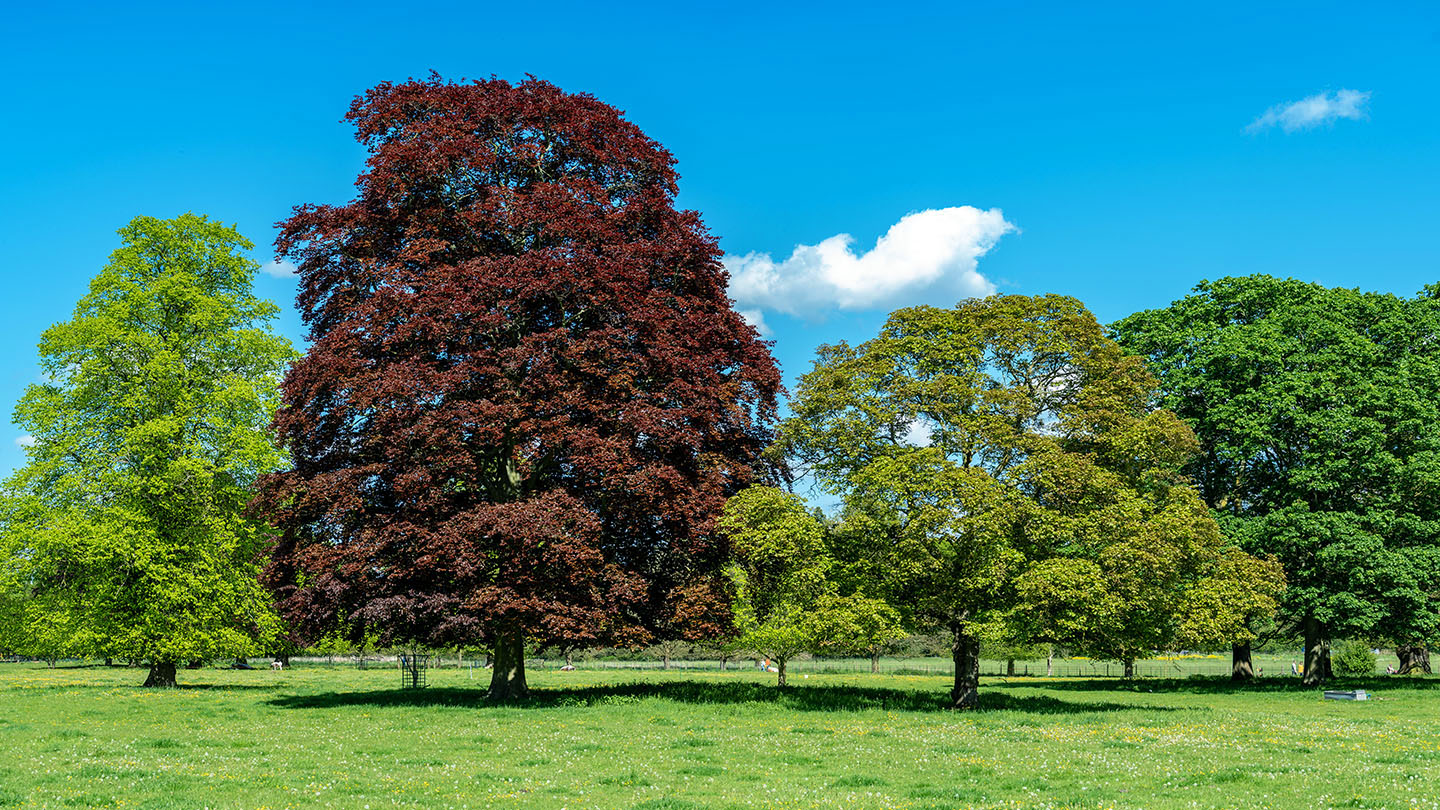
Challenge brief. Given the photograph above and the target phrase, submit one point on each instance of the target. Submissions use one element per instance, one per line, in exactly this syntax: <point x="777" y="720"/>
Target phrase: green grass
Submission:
<point x="346" y="738"/>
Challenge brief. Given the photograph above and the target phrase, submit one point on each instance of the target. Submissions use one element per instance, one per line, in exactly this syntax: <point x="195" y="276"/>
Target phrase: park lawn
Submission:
<point x="346" y="738"/>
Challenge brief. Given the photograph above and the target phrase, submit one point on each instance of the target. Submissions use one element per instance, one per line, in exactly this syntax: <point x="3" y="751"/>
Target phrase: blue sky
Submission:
<point x="1119" y="155"/>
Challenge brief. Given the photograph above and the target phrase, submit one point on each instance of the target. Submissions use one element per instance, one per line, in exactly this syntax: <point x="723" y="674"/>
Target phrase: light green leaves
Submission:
<point x="128" y="520"/>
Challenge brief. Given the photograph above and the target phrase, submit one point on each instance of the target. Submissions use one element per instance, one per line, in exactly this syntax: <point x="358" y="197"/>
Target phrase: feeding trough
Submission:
<point x="1353" y="694"/>
<point x="412" y="670"/>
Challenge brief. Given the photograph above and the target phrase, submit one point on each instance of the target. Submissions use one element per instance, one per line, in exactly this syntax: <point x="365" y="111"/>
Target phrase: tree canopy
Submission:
<point x="1000" y="465"/>
<point x="1318" y="412"/>
<point x="527" y="395"/>
<point x="125" y="534"/>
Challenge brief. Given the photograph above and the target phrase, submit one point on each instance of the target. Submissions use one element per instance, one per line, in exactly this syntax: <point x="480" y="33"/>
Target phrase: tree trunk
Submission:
<point x="569" y="658"/>
<point x="875" y="663"/>
<point x="1129" y="667"/>
<point x="1242" y="669"/>
<point x="780" y="665"/>
<point x="284" y="659"/>
<point x="109" y="662"/>
<point x="1009" y="667"/>
<point x="162" y="675"/>
<point x="1317" y="654"/>
<point x="1413" y="658"/>
<point x="507" y="679"/>
<point x="722" y="663"/>
<point x="664" y="660"/>
<point x="966" y="693"/>
<point x="1050" y="662"/>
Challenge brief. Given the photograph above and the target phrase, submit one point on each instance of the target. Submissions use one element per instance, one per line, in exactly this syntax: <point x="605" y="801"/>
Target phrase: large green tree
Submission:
<point x="1001" y="467"/>
<point x="125" y="534"/>
<point x="1318" y="411"/>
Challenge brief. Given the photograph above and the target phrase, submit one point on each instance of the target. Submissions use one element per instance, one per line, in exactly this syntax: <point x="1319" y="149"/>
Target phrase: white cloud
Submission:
<point x="280" y="268"/>
<point x="25" y="441"/>
<point x="932" y="252"/>
<point x="756" y="318"/>
<point x="1313" y="111"/>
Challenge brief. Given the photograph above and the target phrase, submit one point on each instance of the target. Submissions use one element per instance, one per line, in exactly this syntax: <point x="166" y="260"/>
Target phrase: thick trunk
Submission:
<point x="284" y="659"/>
<point x="161" y="675"/>
<point x="1129" y="667"/>
<point x="1317" y="654"/>
<point x="1413" y="658"/>
<point x="1242" y="669"/>
<point x="966" y="693"/>
<point x="780" y="665"/>
<point x="1010" y="667"/>
<point x="507" y="679"/>
<point x="109" y="662"/>
<point x="875" y="663"/>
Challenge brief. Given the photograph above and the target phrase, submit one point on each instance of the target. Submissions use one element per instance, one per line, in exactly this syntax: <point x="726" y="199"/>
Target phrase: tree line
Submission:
<point x="529" y="414"/>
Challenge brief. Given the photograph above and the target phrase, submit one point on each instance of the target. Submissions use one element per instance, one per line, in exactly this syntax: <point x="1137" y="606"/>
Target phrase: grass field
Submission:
<point x="346" y="738"/>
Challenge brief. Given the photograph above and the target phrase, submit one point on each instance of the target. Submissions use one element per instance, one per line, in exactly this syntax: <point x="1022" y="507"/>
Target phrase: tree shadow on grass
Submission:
<point x="797" y="698"/>
<point x="1216" y="685"/>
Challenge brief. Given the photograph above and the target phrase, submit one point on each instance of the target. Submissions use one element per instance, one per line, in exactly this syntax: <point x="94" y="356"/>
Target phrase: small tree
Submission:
<point x="856" y="624"/>
<point x="780" y="574"/>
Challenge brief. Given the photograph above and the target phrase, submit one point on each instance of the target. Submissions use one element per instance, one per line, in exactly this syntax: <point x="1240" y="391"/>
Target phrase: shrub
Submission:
<point x="1353" y="658"/>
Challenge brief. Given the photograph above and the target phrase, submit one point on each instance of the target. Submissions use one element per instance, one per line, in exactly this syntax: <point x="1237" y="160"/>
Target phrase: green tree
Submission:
<point x="1000" y="465"/>
<point x="782" y="589"/>
<point x="1318" y="412"/>
<point x="127" y="526"/>
<point x="854" y="623"/>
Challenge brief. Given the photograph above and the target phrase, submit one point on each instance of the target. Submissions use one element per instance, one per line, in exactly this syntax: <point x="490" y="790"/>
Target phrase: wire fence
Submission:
<point x="1169" y="667"/>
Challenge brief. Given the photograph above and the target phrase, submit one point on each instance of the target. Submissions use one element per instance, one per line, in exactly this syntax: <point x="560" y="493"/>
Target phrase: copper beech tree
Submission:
<point x="527" y="395"/>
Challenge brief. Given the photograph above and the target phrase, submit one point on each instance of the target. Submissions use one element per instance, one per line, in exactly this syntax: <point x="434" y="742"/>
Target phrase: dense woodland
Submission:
<point x="530" y="418"/>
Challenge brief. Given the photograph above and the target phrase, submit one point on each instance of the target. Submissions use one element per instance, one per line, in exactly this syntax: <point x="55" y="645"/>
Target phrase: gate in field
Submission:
<point x="413" y="668"/>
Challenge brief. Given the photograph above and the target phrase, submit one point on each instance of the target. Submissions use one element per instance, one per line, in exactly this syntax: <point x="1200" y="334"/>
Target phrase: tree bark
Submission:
<point x="1050" y="662"/>
<point x="1317" y="654"/>
<point x="161" y="675"/>
<point x="1009" y="667"/>
<point x="664" y="660"/>
<point x="1129" y="668"/>
<point x="966" y="693"/>
<point x="1242" y="668"/>
<point x="780" y="665"/>
<point x="507" y="679"/>
<point x="1413" y="658"/>
<point x="875" y="663"/>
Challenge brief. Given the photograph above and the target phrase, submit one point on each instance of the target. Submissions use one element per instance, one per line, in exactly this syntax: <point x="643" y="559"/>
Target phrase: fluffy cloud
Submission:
<point x="25" y="441"/>
<point x="932" y="252"/>
<point x="280" y="268"/>
<point x="1313" y="111"/>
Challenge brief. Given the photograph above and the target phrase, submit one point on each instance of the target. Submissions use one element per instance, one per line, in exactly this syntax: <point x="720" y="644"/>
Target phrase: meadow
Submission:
<point x="649" y="740"/>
